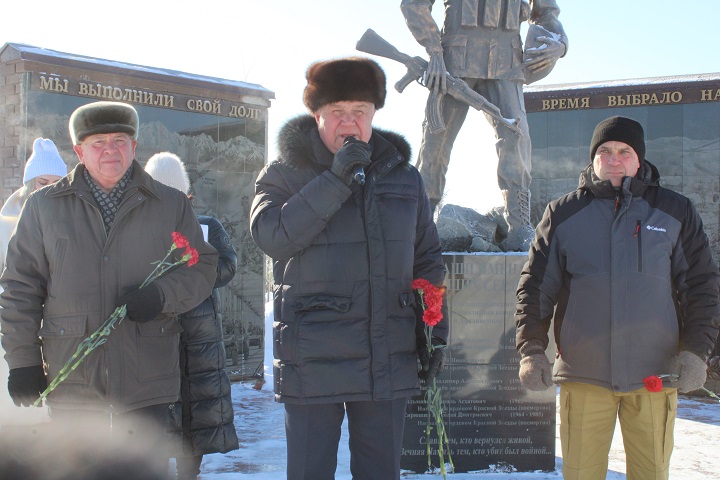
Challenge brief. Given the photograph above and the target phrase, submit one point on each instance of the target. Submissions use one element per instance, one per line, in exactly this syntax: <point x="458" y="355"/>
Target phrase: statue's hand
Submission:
<point x="547" y="53"/>
<point x="436" y="74"/>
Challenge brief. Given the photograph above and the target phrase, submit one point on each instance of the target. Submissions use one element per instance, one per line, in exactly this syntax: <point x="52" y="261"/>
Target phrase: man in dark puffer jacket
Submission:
<point x="345" y="252"/>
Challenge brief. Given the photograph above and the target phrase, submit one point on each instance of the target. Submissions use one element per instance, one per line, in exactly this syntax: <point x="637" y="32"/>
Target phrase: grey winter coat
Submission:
<point x="632" y="277"/>
<point x="343" y="261"/>
<point x="207" y="410"/>
<point x="65" y="275"/>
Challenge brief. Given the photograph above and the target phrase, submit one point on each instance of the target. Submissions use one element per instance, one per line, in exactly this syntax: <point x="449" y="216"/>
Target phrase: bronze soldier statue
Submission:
<point x="480" y="43"/>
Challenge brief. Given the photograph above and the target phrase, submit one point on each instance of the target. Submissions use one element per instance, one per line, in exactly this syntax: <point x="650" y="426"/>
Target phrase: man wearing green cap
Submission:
<point x="82" y="248"/>
<point x="623" y="269"/>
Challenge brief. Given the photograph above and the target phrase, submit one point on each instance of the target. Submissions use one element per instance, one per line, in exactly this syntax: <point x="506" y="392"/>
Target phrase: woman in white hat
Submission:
<point x="44" y="167"/>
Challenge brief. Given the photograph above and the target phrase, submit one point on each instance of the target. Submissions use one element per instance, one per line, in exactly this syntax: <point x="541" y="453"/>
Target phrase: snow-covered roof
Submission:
<point x="19" y="51"/>
<point x="631" y="82"/>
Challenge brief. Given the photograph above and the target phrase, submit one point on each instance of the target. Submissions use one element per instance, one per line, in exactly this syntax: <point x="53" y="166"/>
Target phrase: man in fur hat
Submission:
<point x="82" y="248"/>
<point x="345" y="251"/>
<point x="623" y="268"/>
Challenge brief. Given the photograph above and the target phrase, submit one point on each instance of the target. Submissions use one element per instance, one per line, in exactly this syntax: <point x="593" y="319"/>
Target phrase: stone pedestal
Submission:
<point x="491" y="420"/>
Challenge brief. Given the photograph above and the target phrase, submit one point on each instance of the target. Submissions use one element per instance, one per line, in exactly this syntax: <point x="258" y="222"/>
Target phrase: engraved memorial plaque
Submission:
<point x="492" y="422"/>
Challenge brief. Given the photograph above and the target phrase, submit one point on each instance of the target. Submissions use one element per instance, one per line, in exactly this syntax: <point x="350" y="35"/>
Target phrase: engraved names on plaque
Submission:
<point x="492" y="422"/>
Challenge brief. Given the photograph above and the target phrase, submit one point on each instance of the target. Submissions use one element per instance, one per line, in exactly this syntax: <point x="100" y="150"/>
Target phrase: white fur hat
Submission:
<point x="167" y="168"/>
<point x="44" y="160"/>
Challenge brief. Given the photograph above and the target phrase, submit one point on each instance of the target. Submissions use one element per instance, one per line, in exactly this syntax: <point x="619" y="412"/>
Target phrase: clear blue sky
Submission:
<point x="271" y="43"/>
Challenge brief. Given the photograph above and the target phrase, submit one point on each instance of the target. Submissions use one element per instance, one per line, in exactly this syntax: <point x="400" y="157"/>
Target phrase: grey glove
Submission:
<point x="691" y="371"/>
<point x="354" y="153"/>
<point x="535" y="369"/>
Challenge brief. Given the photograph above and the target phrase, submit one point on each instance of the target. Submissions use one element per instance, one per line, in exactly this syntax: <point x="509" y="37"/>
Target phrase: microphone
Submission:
<point x="359" y="174"/>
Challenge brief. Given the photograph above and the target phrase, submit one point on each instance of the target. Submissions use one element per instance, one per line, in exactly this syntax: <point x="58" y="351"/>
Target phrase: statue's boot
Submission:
<point x="517" y="215"/>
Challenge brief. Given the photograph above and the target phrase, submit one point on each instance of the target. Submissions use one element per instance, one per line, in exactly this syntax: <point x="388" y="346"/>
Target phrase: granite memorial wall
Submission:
<point x="218" y="127"/>
<point x="492" y="422"/>
<point x="681" y="119"/>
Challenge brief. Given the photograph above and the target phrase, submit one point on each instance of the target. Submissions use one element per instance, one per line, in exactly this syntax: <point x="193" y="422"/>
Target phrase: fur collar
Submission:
<point x="295" y="147"/>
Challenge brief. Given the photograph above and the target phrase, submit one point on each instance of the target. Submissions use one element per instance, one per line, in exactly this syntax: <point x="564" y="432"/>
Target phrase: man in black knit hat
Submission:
<point x="623" y="269"/>
<point x="345" y="251"/>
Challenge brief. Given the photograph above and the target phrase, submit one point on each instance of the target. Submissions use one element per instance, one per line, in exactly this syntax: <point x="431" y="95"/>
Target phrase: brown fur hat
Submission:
<point x="103" y="117"/>
<point x="345" y="79"/>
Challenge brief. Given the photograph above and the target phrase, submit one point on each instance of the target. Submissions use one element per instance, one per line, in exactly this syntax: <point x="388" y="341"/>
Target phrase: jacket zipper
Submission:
<point x="638" y="235"/>
<point x="617" y="202"/>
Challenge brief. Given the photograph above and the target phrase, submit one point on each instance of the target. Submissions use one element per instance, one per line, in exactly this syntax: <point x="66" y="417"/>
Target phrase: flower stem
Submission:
<point x="98" y="337"/>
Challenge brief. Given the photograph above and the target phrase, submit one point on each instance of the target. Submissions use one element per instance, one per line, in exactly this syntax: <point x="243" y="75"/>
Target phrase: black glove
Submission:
<point x="431" y="364"/>
<point x="352" y="154"/>
<point x="143" y="304"/>
<point x="714" y="368"/>
<point x="25" y="384"/>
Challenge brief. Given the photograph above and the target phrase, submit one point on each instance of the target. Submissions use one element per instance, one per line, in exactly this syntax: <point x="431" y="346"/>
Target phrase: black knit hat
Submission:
<point x="619" y="129"/>
<point x="346" y="79"/>
<point x="103" y="117"/>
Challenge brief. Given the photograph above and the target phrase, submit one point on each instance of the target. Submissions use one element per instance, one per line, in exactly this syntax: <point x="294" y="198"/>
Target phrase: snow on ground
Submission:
<point x="260" y="424"/>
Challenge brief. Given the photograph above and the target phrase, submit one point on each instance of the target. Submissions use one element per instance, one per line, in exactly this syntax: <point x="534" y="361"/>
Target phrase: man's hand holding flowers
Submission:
<point x="143" y="304"/>
<point x="25" y="384"/>
<point x="431" y="363"/>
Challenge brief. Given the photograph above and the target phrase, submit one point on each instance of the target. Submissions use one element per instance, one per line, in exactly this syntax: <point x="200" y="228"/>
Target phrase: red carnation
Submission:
<point x="179" y="240"/>
<point x="653" y="383"/>
<point x="431" y="297"/>
<point x="191" y="255"/>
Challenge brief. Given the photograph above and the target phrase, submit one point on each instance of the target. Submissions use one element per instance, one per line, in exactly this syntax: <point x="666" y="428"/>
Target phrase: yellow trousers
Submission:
<point x="588" y="415"/>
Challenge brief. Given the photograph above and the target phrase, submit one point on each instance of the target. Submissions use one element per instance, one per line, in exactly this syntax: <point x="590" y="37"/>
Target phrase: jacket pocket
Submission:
<point x="407" y="299"/>
<point x="158" y="349"/>
<point x="310" y="303"/>
<point x="61" y="338"/>
<point x="455" y="48"/>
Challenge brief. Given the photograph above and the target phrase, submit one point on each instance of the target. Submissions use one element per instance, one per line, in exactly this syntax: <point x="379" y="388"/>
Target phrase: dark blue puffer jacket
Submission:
<point x="205" y="388"/>
<point x="343" y="262"/>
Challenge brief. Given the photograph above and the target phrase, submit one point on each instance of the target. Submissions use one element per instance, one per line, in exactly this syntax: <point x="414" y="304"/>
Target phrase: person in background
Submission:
<point x="207" y="410"/>
<point x="82" y="248"/>
<point x="623" y="268"/>
<point x="345" y="251"/>
<point x="43" y="167"/>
